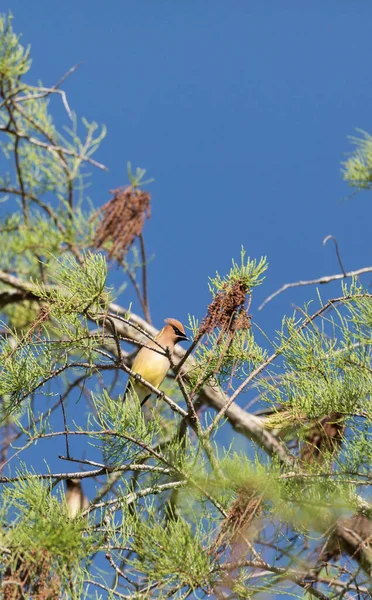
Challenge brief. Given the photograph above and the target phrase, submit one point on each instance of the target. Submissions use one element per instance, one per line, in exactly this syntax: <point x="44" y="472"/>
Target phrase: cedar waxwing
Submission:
<point x="153" y="365"/>
<point x="76" y="500"/>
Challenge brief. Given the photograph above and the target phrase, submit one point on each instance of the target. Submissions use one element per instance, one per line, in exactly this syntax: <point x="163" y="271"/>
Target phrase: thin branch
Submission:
<point x="195" y="423"/>
<point x="54" y="89"/>
<point x="20" y="179"/>
<point x="147" y="330"/>
<point x="155" y="390"/>
<point x="136" y="289"/>
<point x="131" y="467"/>
<point x="188" y="352"/>
<point x="192" y="415"/>
<point x="298" y="577"/>
<point x="18" y="162"/>
<point x="107" y="589"/>
<point x="146" y="308"/>
<point x="332" y="237"/>
<point x="133" y="496"/>
<point x="65" y="424"/>
<point x="321" y="280"/>
<point x="83" y="474"/>
<point x="61" y="155"/>
<point x="116" y="338"/>
<point x="117" y="569"/>
<point x="52" y="148"/>
<point x="12" y="94"/>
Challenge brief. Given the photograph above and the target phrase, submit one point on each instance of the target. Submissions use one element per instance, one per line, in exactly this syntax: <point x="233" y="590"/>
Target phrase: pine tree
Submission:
<point x="173" y="512"/>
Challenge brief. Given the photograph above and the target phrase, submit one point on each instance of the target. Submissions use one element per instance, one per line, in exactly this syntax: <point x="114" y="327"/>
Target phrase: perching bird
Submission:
<point x="76" y="500"/>
<point x="151" y="362"/>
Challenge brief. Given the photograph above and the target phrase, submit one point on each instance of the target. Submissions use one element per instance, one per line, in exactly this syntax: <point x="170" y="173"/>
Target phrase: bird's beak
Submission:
<point x="183" y="338"/>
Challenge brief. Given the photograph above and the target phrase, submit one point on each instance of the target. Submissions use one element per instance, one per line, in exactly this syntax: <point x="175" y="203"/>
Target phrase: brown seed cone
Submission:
<point x="227" y="310"/>
<point x="123" y="218"/>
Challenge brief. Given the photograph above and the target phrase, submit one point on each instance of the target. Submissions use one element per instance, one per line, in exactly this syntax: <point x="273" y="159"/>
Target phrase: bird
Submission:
<point x="76" y="500"/>
<point x="151" y="362"/>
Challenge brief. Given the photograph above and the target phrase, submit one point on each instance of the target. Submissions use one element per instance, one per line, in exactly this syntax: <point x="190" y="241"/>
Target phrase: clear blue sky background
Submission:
<point x="241" y="111"/>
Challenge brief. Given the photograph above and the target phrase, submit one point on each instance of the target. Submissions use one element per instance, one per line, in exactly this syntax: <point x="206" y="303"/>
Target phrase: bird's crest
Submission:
<point x="175" y="324"/>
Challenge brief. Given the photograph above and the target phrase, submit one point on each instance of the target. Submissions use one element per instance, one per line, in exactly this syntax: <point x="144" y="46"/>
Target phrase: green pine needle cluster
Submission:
<point x="357" y="170"/>
<point x="249" y="273"/>
<point x="325" y="369"/>
<point x="173" y="552"/>
<point x="76" y="288"/>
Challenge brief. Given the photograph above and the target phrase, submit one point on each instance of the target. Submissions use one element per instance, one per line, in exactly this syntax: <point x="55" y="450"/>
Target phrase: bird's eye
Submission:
<point x="177" y="331"/>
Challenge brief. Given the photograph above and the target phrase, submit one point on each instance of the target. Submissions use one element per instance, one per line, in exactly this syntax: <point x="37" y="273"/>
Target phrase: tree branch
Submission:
<point x="251" y="426"/>
<point x="53" y="90"/>
<point x="146" y="308"/>
<point x="55" y="149"/>
<point x="245" y="423"/>
<point x="321" y="280"/>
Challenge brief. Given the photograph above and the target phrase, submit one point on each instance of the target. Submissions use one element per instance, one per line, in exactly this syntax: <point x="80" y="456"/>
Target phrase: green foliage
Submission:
<point x="172" y="551"/>
<point x="357" y="450"/>
<point x="22" y="367"/>
<point x="220" y="359"/>
<point x="358" y="168"/>
<point x="43" y="169"/>
<point x="248" y="273"/>
<point x="14" y="59"/>
<point x="79" y="288"/>
<point x="30" y="245"/>
<point x="124" y="424"/>
<point x="41" y="528"/>
<point x="324" y="370"/>
<point x="136" y="179"/>
<point x="25" y="362"/>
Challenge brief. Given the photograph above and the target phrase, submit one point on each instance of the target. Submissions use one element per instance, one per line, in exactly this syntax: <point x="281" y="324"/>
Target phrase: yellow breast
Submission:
<point x="151" y="365"/>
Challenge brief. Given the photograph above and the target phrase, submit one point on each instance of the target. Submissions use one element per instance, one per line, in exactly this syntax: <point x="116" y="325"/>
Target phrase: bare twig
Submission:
<point x="133" y="496"/>
<point x="53" y="90"/>
<point x="84" y="474"/>
<point x="137" y="289"/>
<point x="61" y="155"/>
<point x="188" y="352"/>
<point x="52" y="148"/>
<point x="18" y="162"/>
<point x="332" y="237"/>
<point x="117" y="569"/>
<point x="298" y="577"/>
<point x="65" y="424"/>
<point x="146" y="308"/>
<point x="321" y="280"/>
<point x="107" y="589"/>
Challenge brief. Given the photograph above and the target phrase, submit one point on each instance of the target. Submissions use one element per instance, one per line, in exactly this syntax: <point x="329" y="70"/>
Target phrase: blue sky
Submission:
<point x="241" y="111"/>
